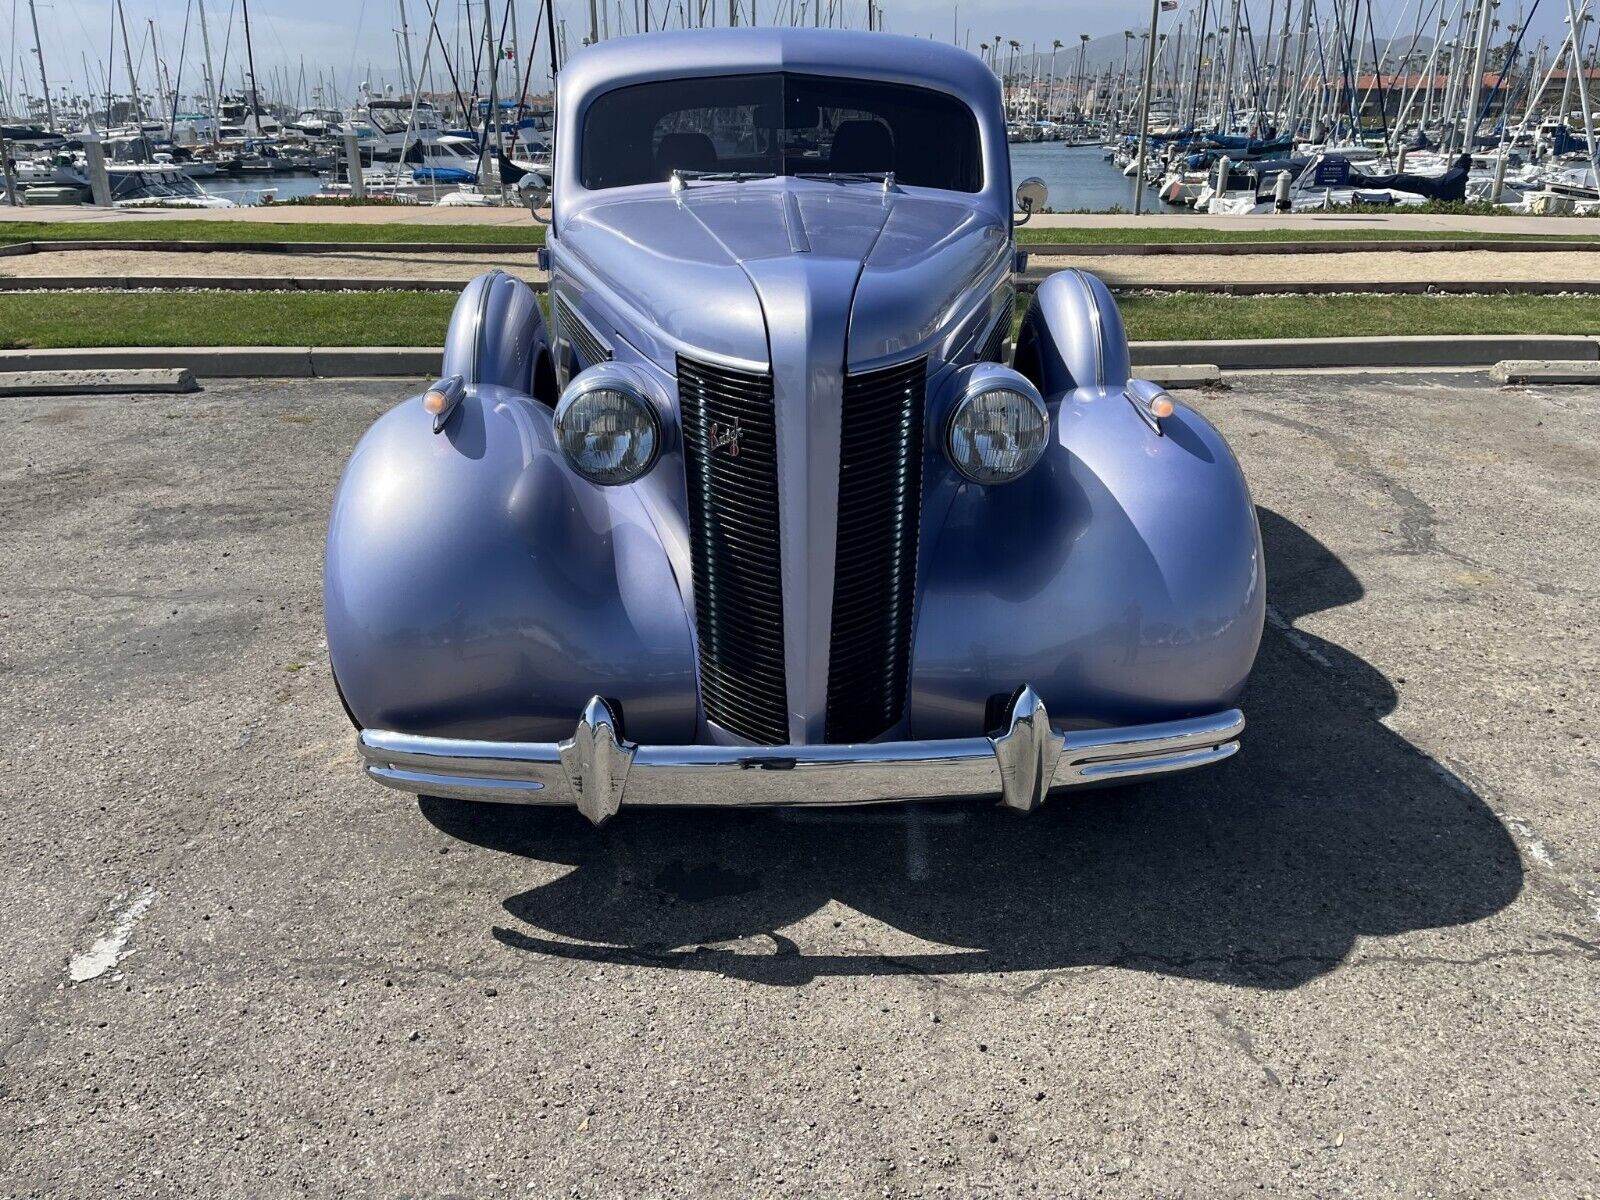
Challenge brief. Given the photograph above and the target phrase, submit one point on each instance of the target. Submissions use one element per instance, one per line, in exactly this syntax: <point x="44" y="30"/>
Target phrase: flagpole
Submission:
<point x="1144" y="108"/>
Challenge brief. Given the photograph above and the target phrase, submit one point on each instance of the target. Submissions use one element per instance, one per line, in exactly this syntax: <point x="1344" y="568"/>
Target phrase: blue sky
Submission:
<point x="350" y="40"/>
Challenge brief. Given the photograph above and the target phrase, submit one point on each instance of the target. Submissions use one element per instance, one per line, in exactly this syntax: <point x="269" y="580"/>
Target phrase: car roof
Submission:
<point x="680" y="53"/>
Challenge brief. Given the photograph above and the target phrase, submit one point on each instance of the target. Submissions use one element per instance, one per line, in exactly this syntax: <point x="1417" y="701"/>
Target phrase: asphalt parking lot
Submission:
<point x="1362" y="957"/>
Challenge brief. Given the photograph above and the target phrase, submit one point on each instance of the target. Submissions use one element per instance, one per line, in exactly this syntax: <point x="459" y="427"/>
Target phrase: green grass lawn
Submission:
<point x="1230" y="318"/>
<point x="531" y="234"/>
<point x="44" y="319"/>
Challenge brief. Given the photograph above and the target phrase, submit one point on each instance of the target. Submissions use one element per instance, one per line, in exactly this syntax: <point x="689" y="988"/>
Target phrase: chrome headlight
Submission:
<point x="1000" y="426"/>
<point x="606" y="425"/>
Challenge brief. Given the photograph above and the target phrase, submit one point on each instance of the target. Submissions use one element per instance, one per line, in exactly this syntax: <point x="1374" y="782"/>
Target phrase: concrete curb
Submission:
<point x="1027" y="282"/>
<point x="1174" y="377"/>
<point x="307" y="362"/>
<point x="345" y="362"/>
<point x="1295" y="354"/>
<point x="96" y="382"/>
<point x="1234" y="249"/>
<point x="1512" y="287"/>
<point x="233" y="362"/>
<point x="1546" y="245"/>
<point x="246" y="246"/>
<point x="1546" y="372"/>
<point x="227" y="283"/>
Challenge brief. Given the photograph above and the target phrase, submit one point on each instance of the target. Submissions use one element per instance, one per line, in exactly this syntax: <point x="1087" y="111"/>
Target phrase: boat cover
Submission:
<point x="1449" y="187"/>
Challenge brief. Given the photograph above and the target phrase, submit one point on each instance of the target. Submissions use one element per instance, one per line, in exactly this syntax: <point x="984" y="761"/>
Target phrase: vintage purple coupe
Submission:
<point x="769" y="509"/>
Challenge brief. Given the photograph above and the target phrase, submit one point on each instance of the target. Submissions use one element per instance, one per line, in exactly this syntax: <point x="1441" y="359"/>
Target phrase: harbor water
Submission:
<point x="1080" y="179"/>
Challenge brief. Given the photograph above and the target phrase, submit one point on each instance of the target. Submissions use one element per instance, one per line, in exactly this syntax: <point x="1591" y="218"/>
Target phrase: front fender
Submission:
<point x="1122" y="578"/>
<point x="497" y="335"/>
<point x="476" y="587"/>
<point x="1072" y="336"/>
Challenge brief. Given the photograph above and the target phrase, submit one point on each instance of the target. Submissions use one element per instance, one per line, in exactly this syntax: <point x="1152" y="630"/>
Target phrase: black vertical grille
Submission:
<point x="875" y="570"/>
<point x="994" y="346"/>
<point x="731" y="461"/>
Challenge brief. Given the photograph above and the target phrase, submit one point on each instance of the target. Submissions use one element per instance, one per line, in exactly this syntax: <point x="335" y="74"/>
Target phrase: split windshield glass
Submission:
<point x="780" y="124"/>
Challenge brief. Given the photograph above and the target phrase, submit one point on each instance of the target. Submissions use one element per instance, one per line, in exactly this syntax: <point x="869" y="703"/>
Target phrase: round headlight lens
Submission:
<point x="998" y="430"/>
<point x="607" y="429"/>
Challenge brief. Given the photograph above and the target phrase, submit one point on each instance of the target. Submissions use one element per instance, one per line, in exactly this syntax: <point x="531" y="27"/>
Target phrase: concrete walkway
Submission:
<point x="278" y="214"/>
<point x="1574" y="227"/>
<point x="381" y="262"/>
<point x="397" y="263"/>
<point x="1473" y="267"/>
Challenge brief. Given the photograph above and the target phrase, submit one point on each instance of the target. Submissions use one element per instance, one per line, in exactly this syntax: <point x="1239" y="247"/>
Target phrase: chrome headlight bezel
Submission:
<point x="618" y="379"/>
<point x="970" y="386"/>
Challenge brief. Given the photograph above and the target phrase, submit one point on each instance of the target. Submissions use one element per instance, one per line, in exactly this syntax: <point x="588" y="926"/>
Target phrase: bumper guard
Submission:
<point x="596" y="767"/>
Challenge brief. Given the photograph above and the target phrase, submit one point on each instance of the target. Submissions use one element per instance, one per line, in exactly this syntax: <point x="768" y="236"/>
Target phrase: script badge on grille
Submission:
<point x="726" y="437"/>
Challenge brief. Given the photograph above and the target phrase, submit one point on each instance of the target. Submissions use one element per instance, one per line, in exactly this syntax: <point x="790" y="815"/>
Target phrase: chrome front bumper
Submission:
<point x="595" y="769"/>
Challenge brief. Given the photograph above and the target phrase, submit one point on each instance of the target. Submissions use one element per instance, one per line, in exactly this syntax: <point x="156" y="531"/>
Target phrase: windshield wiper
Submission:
<point x="884" y="177"/>
<point x="680" y="177"/>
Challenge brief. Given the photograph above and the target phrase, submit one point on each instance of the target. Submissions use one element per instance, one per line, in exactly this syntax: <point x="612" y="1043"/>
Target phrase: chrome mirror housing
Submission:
<point x="533" y="190"/>
<point x="1032" y="196"/>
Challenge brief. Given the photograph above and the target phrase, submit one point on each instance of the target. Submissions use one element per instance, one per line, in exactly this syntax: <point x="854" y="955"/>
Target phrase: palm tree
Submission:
<point x="1011" y="63"/>
<point x="1083" y="70"/>
<point x="1122" y="79"/>
<point x="1050" y="103"/>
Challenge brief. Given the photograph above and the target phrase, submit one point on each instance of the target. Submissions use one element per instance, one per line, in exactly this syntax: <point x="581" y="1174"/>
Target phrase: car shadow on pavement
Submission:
<point x="1260" y="872"/>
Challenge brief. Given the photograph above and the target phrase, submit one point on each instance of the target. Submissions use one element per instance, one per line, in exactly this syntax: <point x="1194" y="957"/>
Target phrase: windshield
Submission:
<point x="394" y="116"/>
<point x="780" y="124"/>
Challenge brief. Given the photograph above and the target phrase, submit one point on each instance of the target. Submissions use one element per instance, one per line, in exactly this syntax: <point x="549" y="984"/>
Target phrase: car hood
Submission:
<point x="698" y="266"/>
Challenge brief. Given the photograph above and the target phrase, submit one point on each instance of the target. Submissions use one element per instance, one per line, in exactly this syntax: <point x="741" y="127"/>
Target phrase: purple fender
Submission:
<point x="475" y="586"/>
<point x="1122" y="578"/>
<point x="498" y="335"/>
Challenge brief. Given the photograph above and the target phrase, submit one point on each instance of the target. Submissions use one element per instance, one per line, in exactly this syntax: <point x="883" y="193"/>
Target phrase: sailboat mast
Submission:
<point x="1297" y="88"/>
<point x="1583" y="83"/>
<point x="1144" y="107"/>
<point x="1475" y="85"/>
<point x="486" y="130"/>
<point x="127" y="56"/>
<point x="211" y="79"/>
<point x="159" y="66"/>
<point x="1275" y="97"/>
<point x="44" y="78"/>
<point x="250" y="61"/>
<point x="405" y="48"/>
<point x="550" y="32"/>
<point x="1191" y="116"/>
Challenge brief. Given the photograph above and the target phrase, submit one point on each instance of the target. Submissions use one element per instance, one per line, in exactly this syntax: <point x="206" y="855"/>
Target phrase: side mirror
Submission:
<point x="1032" y="196"/>
<point x="534" y="192"/>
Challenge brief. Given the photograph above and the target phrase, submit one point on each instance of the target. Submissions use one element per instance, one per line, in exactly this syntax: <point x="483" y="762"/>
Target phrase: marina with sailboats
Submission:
<point x="1224" y="107"/>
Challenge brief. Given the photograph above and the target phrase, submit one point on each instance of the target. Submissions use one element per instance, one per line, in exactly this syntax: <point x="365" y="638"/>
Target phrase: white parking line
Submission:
<point x="111" y="947"/>
<point x="1295" y="638"/>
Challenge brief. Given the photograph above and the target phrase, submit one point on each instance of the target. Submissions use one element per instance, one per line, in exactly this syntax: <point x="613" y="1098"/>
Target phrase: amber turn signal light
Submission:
<point x="441" y="398"/>
<point x="1151" y="402"/>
